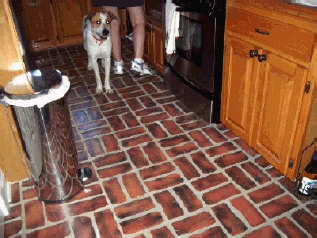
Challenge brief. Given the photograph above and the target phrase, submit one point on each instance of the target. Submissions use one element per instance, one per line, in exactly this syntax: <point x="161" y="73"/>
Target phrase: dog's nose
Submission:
<point x="105" y="32"/>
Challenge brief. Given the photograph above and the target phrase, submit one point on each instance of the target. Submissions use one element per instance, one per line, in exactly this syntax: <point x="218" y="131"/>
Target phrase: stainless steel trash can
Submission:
<point x="44" y="123"/>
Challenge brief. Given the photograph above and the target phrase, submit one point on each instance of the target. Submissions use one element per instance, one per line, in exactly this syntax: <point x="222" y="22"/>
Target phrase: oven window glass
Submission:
<point x="189" y="43"/>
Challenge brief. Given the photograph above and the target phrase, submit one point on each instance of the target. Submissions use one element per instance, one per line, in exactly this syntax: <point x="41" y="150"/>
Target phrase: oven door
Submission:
<point x="196" y="47"/>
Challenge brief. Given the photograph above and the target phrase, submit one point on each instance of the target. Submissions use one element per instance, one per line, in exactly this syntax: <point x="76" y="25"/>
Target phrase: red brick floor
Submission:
<point x="158" y="170"/>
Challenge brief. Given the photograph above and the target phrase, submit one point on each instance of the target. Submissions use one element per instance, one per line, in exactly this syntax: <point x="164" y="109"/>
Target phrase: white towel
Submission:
<point x="172" y="25"/>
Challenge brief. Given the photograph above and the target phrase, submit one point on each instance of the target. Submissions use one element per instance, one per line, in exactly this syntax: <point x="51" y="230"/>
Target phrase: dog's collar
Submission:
<point x="101" y="40"/>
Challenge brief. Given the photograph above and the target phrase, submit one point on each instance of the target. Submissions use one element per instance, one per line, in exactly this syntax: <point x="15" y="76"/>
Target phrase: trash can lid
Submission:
<point x="42" y="79"/>
<point x="32" y="83"/>
<point x="41" y="98"/>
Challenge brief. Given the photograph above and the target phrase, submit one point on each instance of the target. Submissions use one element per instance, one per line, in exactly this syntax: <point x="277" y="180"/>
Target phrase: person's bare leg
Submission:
<point x="115" y="33"/>
<point x="138" y="23"/>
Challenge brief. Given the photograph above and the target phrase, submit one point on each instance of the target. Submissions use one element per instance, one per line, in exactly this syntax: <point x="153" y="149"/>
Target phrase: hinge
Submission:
<point x="291" y="163"/>
<point x="307" y="87"/>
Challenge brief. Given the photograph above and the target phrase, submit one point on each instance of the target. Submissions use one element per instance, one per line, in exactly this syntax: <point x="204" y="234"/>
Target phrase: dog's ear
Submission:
<point x="111" y="15"/>
<point x="90" y="16"/>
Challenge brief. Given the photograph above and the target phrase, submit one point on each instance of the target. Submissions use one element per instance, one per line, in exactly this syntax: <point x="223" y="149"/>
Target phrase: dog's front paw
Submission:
<point x="109" y="91"/>
<point x="99" y="91"/>
<point x="89" y="68"/>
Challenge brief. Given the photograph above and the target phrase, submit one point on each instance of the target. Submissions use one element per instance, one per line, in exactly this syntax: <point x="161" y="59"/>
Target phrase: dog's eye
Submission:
<point x="98" y="22"/>
<point x="107" y="22"/>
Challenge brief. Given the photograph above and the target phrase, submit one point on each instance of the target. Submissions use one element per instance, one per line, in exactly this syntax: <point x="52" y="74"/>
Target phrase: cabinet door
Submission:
<point x="148" y="42"/>
<point x="41" y="25"/>
<point x="157" y="39"/>
<point x="278" y="104"/>
<point x="69" y="16"/>
<point x="238" y="87"/>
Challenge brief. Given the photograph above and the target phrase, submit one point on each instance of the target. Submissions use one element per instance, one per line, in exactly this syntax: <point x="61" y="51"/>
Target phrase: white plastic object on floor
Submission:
<point x="5" y="199"/>
<point x="5" y="195"/>
<point x="307" y="186"/>
<point x="129" y="36"/>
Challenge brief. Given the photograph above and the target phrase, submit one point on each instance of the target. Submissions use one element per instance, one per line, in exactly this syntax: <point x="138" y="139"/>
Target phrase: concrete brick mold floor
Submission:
<point x="158" y="169"/>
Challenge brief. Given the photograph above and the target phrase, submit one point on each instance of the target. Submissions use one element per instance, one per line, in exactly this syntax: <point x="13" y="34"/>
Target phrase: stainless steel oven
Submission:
<point x="198" y="57"/>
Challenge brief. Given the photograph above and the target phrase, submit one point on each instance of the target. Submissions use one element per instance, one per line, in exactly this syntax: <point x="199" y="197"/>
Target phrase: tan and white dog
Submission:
<point x="97" y="43"/>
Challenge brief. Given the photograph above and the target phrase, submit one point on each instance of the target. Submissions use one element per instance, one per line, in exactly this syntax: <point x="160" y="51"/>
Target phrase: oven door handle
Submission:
<point x="204" y="11"/>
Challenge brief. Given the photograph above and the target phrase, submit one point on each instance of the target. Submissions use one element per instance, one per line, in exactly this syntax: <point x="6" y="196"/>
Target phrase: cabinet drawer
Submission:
<point x="284" y="37"/>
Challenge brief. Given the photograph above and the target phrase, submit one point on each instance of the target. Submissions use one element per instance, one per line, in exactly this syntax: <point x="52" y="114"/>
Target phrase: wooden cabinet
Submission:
<point x="238" y="87"/>
<point x="148" y="42"/>
<point x="69" y="16"/>
<point x="266" y="98"/>
<point x="281" y="86"/>
<point x="40" y="24"/>
<point x="52" y="23"/>
<point x="153" y="45"/>
<point x="157" y="39"/>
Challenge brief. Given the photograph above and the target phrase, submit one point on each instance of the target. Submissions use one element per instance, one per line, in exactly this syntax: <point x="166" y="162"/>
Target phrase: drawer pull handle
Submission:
<point x="253" y="53"/>
<point x="262" y="32"/>
<point x="262" y="57"/>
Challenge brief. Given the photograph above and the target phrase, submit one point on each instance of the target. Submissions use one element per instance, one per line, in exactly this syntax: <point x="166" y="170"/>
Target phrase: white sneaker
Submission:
<point x="140" y="68"/>
<point x="129" y="36"/>
<point x="118" y="69"/>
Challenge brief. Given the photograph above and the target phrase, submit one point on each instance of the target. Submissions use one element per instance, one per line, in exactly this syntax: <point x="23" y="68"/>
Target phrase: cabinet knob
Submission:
<point x="262" y="57"/>
<point x="253" y="53"/>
